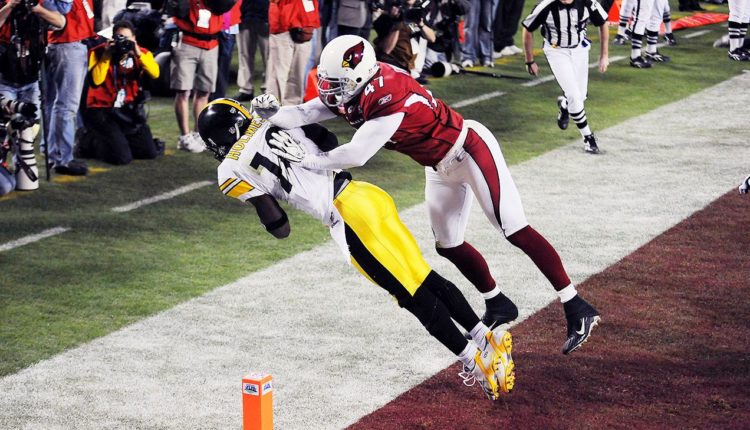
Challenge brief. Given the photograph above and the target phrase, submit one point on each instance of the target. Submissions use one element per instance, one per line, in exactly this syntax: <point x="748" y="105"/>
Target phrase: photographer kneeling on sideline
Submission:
<point x="114" y="113"/>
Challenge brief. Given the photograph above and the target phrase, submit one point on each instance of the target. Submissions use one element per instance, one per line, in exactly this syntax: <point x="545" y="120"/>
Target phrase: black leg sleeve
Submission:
<point x="434" y="316"/>
<point x="459" y="309"/>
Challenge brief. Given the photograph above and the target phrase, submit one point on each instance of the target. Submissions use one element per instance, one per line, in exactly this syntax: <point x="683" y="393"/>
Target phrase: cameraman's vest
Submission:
<point x="21" y="60"/>
<point x="79" y="25"/>
<point x="200" y="37"/>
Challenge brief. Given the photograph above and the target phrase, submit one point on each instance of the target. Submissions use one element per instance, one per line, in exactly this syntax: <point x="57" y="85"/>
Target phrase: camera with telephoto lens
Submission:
<point x="122" y="45"/>
<point x="9" y="108"/>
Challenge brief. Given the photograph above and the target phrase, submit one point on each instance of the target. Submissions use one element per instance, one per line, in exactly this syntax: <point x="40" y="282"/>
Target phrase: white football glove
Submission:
<point x="286" y="147"/>
<point x="265" y="105"/>
<point x="745" y="186"/>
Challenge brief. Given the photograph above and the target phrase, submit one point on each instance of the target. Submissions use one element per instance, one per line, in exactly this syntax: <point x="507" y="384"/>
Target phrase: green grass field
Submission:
<point x="112" y="269"/>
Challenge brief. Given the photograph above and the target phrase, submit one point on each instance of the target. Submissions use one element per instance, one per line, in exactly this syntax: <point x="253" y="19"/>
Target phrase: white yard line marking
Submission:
<point x="696" y="34"/>
<point x="478" y="99"/>
<point x="33" y="238"/>
<point x="551" y="77"/>
<point x="160" y="197"/>
<point x="317" y="326"/>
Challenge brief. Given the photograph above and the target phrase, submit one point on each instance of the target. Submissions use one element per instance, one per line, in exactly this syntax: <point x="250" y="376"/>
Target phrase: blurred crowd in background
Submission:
<point x="84" y="69"/>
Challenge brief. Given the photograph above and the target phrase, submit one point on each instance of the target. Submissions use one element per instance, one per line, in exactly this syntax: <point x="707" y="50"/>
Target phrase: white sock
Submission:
<point x="467" y="355"/>
<point x="567" y="293"/>
<point x="492" y="293"/>
<point x="479" y="332"/>
<point x="585" y="131"/>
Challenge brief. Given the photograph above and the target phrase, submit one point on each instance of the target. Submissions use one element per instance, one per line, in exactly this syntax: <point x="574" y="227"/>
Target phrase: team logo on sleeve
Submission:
<point x="353" y="56"/>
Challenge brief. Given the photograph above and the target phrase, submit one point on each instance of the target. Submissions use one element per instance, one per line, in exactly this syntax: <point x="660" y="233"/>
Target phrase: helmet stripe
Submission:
<point x="232" y="103"/>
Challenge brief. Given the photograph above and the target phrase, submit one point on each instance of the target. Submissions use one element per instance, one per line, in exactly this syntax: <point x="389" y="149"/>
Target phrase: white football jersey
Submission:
<point x="250" y="169"/>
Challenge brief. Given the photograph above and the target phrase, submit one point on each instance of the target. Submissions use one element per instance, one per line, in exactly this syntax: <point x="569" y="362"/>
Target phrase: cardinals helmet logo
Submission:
<point x="353" y="56"/>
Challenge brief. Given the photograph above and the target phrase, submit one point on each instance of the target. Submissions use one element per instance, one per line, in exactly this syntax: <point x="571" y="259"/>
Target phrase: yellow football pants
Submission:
<point x="380" y="245"/>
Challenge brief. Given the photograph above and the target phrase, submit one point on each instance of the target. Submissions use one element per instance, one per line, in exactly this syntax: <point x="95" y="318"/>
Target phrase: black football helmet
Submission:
<point x="221" y="123"/>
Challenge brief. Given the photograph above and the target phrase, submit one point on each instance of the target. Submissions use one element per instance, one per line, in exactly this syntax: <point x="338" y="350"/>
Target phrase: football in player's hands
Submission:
<point x="286" y="147"/>
<point x="265" y="105"/>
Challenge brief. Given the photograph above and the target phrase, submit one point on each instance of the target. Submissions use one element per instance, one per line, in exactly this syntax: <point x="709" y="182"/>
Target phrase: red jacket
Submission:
<point x="284" y="15"/>
<point x="79" y="24"/>
<point x="201" y="37"/>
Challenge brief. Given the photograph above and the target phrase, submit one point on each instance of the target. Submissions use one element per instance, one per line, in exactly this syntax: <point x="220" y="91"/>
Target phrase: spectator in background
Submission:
<point x="20" y="67"/>
<point x="109" y="10"/>
<point x="65" y="72"/>
<point x="194" y="68"/>
<point x="505" y="27"/>
<point x="113" y="114"/>
<point x="477" y="47"/>
<point x="396" y="27"/>
<point x="443" y="16"/>
<point x="354" y="17"/>
<point x="291" y="26"/>
<point x="229" y="29"/>
<point x="253" y="36"/>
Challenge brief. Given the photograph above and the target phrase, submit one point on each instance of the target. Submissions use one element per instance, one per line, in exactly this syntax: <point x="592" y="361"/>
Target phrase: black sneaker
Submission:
<point x="590" y="144"/>
<point x="73" y="168"/>
<point x="657" y="57"/>
<point x="563" y="118"/>
<point x="739" y="54"/>
<point x="670" y="39"/>
<point x="244" y="97"/>
<point x="581" y="318"/>
<point x="620" y="40"/>
<point x="640" y="63"/>
<point x="500" y="310"/>
<point x="579" y="331"/>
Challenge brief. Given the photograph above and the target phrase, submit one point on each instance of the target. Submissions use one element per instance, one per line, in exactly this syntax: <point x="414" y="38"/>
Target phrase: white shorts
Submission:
<point x="477" y="167"/>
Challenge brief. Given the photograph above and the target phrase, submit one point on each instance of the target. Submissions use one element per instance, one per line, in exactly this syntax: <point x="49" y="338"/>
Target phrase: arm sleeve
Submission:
<point x="149" y="64"/>
<point x="597" y="13"/>
<point x="307" y="113"/>
<point x="538" y="15"/>
<point x="99" y="67"/>
<point x="365" y="143"/>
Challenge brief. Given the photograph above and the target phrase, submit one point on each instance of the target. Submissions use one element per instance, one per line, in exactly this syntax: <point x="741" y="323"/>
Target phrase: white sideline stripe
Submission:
<point x="339" y="348"/>
<point x="696" y="34"/>
<point x="33" y="238"/>
<point x="478" y="99"/>
<point x="160" y="197"/>
<point x="551" y="77"/>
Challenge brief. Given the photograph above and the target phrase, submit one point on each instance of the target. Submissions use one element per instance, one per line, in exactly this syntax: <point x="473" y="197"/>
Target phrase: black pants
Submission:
<point x="507" y="18"/>
<point x="115" y="143"/>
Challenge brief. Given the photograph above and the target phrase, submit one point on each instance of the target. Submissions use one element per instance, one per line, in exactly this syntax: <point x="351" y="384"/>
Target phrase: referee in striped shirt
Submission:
<point x="563" y="24"/>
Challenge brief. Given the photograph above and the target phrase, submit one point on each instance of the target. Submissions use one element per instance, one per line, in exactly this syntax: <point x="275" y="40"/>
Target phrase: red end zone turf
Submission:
<point x="673" y="350"/>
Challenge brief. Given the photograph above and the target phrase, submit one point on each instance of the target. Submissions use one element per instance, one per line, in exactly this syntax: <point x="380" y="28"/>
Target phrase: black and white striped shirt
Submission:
<point x="563" y="25"/>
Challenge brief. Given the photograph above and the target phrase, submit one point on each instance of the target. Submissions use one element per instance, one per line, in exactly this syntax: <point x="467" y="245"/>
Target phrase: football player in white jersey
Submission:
<point x="363" y="221"/>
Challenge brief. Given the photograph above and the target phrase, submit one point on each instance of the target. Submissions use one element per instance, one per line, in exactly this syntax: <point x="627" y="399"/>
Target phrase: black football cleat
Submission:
<point x="745" y="186"/>
<point x="657" y="57"/>
<point x="739" y="54"/>
<point x="563" y="117"/>
<point x="579" y="330"/>
<point x="670" y="39"/>
<point x="640" y="63"/>
<point x="500" y="310"/>
<point x="620" y="40"/>
<point x="590" y="145"/>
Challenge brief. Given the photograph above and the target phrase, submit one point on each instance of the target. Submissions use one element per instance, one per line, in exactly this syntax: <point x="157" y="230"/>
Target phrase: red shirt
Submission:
<point x="5" y="30"/>
<point x="429" y="128"/>
<point x="284" y="15"/>
<point x="79" y="24"/>
<point x="190" y="25"/>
